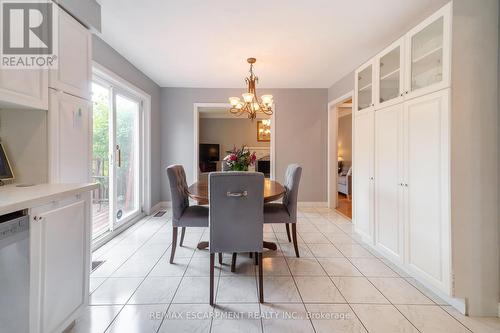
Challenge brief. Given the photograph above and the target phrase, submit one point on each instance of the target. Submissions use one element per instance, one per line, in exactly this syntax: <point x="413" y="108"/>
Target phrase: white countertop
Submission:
<point x="13" y="198"/>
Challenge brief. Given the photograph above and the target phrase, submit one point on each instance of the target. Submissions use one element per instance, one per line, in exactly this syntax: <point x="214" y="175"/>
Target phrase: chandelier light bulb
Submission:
<point x="267" y="99"/>
<point x="234" y="101"/>
<point x="247" y="97"/>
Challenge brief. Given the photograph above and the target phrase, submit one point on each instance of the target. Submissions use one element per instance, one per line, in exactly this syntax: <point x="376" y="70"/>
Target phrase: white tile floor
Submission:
<point x="337" y="285"/>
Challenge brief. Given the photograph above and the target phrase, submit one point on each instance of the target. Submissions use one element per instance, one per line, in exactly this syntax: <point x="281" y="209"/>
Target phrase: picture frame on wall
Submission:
<point x="264" y="130"/>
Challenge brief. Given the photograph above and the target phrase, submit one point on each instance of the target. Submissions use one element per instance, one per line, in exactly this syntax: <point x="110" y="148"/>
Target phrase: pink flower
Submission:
<point x="232" y="157"/>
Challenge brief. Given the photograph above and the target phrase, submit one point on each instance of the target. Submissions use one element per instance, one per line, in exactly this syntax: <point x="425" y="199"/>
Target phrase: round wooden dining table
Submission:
<point x="273" y="190"/>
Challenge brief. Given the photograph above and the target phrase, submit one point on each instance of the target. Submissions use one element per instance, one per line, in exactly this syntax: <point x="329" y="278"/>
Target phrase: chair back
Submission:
<point x="178" y="191"/>
<point x="292" y="180"/>
<point x="236" y="211"/>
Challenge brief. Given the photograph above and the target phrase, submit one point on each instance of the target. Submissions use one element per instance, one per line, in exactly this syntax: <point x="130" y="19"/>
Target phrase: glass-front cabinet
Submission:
<point x="364" y="87"/>
<point x="415" y="65"/>
<point x="428" y="58"/>
<point x="390" y="73"/>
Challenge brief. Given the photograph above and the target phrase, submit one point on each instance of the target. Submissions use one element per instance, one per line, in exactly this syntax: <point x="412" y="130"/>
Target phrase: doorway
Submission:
<point x="340" y="175"/>
<point x="116" y="157"/>
<point x="210" y="112"/>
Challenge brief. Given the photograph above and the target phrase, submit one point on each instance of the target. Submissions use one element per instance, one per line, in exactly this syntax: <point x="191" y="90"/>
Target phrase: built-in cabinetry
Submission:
<point x="402" y="152"/>
<point x="70" y="122"/>
<point x="60" y="247"/>
<point x="26" y="88"/>
<point x="74" y="73"/>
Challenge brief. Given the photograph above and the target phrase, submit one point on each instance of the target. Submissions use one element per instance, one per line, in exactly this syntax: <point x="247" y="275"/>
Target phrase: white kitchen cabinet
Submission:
<point x="426" y="179"/>
<point x="389" y="181"/>
<point x="24" y="88"/>
<point x="389" y="75"/>
<point x="416" y="64"/>
<point x="363" y="174"/>
<point x="74" y="73"/>
<point x="364" y="88"/>
<point x="428" y="56"/>
<point x="70" y="126"/>
<point x="59" y="262"/>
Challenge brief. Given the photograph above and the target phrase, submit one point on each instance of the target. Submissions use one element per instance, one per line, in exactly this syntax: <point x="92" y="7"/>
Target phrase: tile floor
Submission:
<point x="337" y="285"/>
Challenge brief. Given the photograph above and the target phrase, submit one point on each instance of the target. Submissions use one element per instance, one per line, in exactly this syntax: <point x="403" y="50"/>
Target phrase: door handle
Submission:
<point x="119" y="152"/>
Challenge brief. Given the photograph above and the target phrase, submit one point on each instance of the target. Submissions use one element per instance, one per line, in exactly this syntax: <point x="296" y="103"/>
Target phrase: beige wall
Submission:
<point x="24" y="136"/>
<point x="229" y="132"/>
<point x="344" y="139"/>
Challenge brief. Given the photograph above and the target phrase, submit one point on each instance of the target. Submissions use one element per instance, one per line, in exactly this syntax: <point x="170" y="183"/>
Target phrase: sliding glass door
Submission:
<point x="116" y="165"/>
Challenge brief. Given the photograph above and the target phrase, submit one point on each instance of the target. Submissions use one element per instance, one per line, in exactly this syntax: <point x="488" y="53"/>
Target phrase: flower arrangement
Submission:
<point x="239" y="159"/>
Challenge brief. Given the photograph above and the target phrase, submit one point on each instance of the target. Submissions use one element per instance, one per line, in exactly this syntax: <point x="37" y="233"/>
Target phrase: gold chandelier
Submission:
<point x="251" y="103"/>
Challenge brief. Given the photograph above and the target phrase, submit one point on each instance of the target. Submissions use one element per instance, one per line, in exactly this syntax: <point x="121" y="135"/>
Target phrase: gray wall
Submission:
<point x="341" y="87"/>
<point x="474" y="154"/>
<point x="344" y="138"/>
<point x="106" y="56"/>
<point x="300" y="132"/>
<point x="87" y="12"/>
<point x="229" y="132"/>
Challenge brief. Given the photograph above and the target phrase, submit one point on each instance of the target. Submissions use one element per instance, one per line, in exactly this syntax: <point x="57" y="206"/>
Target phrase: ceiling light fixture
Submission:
<point x="251" y="103"/>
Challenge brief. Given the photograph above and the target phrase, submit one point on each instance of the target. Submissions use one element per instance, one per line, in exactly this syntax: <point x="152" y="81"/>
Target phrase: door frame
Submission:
<point x="101" y="73"/>
<point x="196" y="132"/>
<point x="333" y="124"/>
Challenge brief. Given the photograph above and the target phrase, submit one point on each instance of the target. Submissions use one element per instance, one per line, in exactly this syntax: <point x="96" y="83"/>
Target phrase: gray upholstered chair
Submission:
<point x="183" y="215"/>
<point x="286" y="211"/>
<point x="236" y="217"/>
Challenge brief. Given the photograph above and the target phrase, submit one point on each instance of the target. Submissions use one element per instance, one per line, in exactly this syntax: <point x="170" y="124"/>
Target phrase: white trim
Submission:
<point x="332" y="148"/>
<point x="101" y="71"/>
<point x="196" y="128"/>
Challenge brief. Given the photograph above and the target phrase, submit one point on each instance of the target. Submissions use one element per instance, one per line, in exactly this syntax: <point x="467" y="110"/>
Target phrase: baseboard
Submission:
<point x="160" y="205"/>
<point x="312" y="204"/>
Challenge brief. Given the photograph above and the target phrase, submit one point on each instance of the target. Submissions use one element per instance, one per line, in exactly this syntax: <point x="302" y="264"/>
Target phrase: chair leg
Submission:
<point x="183" y="231"/>
<point x="233" y="262"/>
<point x="288" y="232"/>
<point x="261" y="280"/>
<point x="294" y="236"/>
<point x="212" y="263"/>
<point x="256" y="259"/>
<point x="220" y="258"/>
<point x="250" y="254"/>
<point x="174" y="244"/>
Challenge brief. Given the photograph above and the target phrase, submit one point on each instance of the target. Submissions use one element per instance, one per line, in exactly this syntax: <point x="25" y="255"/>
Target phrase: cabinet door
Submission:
<point x="69" y="138"/>
<point x="389" y="72"/>
<point x="74" y="73"/>
<point x="428" y="56"/>
<point x="427" y="187"/>
<point x="363" y="87"/>
<point x="363" y="174"/>
<point x="25" y="88"/>
<point x="60" y="249"/>
<point x="388" y="181"/>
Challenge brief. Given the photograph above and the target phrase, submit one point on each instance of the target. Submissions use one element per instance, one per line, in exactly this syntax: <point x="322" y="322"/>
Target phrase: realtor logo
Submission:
<point x="29" y="34"/>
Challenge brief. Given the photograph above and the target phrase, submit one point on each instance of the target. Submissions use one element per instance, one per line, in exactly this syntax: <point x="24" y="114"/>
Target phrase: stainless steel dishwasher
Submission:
<point x="14" y="273"/>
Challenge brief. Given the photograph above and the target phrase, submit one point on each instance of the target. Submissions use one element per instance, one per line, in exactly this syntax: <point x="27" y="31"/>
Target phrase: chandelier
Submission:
<point x="251" y="103"/>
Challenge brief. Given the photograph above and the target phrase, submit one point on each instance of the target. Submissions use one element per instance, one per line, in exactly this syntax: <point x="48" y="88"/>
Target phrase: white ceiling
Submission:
<point x="297" y="43"/>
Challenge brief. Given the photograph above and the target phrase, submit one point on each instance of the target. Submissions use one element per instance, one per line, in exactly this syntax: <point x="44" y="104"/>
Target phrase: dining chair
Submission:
<point x="183" y="215"/>
<point x="286" y="211"/>
<point x="236" y="217"/>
